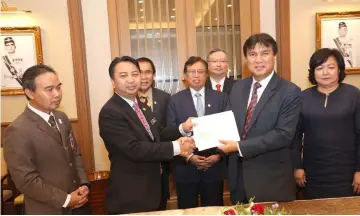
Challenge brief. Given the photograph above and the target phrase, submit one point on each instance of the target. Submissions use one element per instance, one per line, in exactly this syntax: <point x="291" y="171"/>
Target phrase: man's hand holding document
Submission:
<point x="210" y="129"/>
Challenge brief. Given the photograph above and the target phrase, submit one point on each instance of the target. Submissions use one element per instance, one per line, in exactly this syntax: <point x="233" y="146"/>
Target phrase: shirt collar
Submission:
<point x="42" y="114"/>
<point x="265" y="81"/>
<point x="130" y="102"/>
<point x="193" y="92"/>
<point x="214" y="81"/>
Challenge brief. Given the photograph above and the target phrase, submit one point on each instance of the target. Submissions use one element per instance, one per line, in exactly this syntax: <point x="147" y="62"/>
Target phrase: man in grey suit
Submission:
<point x="41" y="152"/>
<point x="266" y="109"/>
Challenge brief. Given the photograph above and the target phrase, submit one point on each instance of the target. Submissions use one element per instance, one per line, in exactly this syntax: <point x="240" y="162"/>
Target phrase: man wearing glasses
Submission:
<point x="203" y="172"/>
<point x="218" y="68"/>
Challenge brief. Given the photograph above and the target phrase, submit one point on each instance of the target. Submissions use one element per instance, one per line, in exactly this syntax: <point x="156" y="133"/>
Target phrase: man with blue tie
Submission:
<point x="202" y="172"/>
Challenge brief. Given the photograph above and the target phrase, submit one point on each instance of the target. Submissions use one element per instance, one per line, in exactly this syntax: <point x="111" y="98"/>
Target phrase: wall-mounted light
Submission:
<point x="11" y="10"/>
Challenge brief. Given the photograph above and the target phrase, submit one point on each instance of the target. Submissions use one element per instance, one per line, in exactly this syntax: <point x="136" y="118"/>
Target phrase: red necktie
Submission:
<point x="250" y="109"/>
<point x="142" y="119"/>
<point x="218" y="87"/>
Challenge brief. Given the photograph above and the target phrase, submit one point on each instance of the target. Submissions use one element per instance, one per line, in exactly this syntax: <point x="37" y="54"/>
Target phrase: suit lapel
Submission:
<point x="209" y="103"/>
<point x="267" y="94"/>
<point x="155" y="100"/>
<point x="130" y="112"/>
<point x="191" y="107"/>
<point x="42" y="125"/>
<point x="226" y="87"/>
<point x="243" y="104"/>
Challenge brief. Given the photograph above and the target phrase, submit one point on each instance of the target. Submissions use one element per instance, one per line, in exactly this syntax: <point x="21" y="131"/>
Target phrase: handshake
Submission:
<point x="187" y="146"/>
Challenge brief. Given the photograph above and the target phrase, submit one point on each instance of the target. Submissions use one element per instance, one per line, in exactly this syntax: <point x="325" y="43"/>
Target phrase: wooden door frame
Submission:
<point x="84" y="130"/>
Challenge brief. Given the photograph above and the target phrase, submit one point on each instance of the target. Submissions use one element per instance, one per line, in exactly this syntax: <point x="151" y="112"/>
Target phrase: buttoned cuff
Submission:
<point x="67" y="201"/>
<point x="176" y="148"/>
<point x="183" y="133"/>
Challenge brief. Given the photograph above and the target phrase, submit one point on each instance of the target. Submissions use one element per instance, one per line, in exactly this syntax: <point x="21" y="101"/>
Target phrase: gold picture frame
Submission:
<point x="340" y="30"/>
<point x="21" y="49"/>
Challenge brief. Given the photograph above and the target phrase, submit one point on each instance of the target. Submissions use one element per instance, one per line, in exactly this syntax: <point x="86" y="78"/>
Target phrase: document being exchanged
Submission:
<point x="212" y="128"/>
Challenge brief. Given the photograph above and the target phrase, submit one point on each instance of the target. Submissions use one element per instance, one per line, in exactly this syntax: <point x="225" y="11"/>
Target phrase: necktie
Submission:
<point x="143" y="119"/>
<point x="144" y="100"/>
<point x="218" y="87"/>
<point x="199" y="105"/>
<point x="250" y="109"/>
<point x="53" y="126"/>
<point x="145" y="124"/>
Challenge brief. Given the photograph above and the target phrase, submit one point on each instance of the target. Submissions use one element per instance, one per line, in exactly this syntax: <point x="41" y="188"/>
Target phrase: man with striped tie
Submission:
<point x="266" y="109"/>
<point x="134" y="146"/>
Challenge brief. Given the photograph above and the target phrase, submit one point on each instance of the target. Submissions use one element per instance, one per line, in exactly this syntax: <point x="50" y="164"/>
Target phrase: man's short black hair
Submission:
<point x="194" y="59"/>
<point x="261" y="38"/>
<point x="28" y="78"/>
<point x="144" y="59"/>
<point x="118" y="60"/>
<point x="321" y="56"/>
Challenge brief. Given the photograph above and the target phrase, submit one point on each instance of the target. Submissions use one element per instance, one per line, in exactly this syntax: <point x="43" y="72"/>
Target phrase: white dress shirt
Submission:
<point x="46" y="117"/>
<point x="176" y="145"/>
<point x="259" y="92"/>
<point x="214" y="83"/>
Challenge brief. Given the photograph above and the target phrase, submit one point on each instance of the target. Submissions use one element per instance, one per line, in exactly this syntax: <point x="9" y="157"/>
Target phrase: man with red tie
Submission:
<point x="134" y="146"/>
<point x="266" y="108"/>
<point x="217" y="60"/>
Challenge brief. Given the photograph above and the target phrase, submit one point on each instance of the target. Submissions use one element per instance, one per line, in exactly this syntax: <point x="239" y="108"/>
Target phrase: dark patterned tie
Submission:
<point x="250" y="110"/>
<point x="53" y="125"/>
<point x="145" y="102"/>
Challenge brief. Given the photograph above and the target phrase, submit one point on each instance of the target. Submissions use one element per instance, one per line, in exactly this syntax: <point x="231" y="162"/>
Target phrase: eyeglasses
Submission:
<point x="193" y="72"/>
<point x="218" y="61"/>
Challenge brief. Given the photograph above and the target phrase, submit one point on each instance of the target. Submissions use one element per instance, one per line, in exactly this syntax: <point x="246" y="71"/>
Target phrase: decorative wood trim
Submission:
<point x="113" y="28"/>
<point x="81" y="83"/>
<point x="250" y="24"/>
<point x="282" y="11"/>
<point x="255" y="16"/>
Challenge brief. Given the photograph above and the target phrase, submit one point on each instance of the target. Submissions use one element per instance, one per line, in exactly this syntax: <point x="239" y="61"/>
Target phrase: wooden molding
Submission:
<point x="81" y="83"/>
<point x="113" y="28"/>
<point x="283" y="38"/>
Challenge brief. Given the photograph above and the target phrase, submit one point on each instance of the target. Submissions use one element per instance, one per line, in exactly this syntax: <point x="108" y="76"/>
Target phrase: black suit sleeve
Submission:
<point x="357" y="130"/>
<point x="114" y="130"/>
<point x="282" y="134"/>
<point x="297" y="145"/>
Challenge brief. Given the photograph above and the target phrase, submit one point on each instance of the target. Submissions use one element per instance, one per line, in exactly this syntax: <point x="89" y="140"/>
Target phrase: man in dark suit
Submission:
<point x="204" y="171"/>
<point x="132" y="141"/>
<point x="40" y="150"/>
<point x="218" y="69"/>
<point x="266" y="109"/>
<point x="154" y="101"/>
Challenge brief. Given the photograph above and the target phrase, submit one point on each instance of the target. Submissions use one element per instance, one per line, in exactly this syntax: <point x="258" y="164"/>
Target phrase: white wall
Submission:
<point x="52" y="17"/>
<point x="98" y="57"/>
<point x="303" y="34"/>
<point x="268" y="17"/>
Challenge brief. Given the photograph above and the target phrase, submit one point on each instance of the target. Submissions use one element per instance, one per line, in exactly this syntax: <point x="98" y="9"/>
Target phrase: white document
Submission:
<point x="212" y="128"/>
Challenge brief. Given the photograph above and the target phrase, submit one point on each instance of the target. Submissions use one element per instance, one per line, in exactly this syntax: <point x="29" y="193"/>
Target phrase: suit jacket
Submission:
<point x="228" y="84"/>
<point x="181" y="107"/>
<point x="135" y="179"/>
<point x="44" y="167"/>
<point x="160" y="100"/>
<point x="266" y="167"/>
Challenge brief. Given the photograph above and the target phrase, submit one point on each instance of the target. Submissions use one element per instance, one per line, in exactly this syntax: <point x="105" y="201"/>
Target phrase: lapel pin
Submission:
<point x="154" y="102"/>
<point x="60" y="121"/>
<point x="144" y="109"/>
<point x="153" y="121"/>
<point x="209" y="105"/>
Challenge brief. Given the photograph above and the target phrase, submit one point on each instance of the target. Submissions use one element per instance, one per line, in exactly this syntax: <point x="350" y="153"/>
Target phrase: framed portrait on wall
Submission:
<point x="20" y="49"/>
<point x="341" y="30"/>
